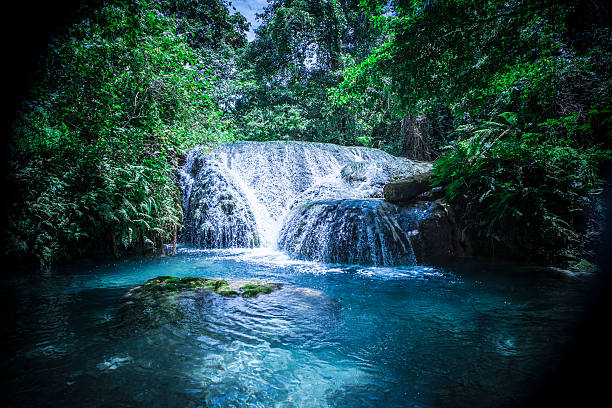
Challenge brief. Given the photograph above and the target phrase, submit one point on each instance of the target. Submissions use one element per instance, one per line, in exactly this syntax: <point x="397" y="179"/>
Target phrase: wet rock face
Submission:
<point x="370" y="178"/>
<point x="238" y="194"/>
<point x="408" y="189"/>
<point x="350" y="231"/>
<point x="316" y="201"/>
<point x="438" y="237"/>
<point x="371" y="232"/>
<point x="217" y="214"/>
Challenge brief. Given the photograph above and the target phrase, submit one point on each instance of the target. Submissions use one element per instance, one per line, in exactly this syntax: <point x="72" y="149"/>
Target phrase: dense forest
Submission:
<point x="511" y="101"/>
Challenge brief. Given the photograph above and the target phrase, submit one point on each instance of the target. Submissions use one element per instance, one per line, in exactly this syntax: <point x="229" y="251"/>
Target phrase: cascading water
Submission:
<point x="353" y="231"/>
<point x="313" y="200"/>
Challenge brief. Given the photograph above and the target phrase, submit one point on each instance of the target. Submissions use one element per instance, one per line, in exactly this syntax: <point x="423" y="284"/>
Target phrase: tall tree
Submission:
<point x="298" y="53"/>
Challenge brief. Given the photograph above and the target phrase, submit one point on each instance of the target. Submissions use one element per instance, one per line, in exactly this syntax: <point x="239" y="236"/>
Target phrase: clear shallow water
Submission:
<point x="334" y="336"/>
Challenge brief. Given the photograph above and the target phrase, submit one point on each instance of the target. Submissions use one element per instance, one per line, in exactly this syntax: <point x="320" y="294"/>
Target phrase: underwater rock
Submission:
<point x="158" y="300"/>
<point x="406" y="190"/>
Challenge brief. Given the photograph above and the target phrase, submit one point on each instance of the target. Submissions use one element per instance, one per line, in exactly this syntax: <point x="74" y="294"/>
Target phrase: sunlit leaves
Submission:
<point x="121" y="96"/>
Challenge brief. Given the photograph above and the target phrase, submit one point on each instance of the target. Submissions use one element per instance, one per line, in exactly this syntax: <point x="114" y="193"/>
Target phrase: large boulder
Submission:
<point x="407" y="190"/>
<point x="438" y="238"/>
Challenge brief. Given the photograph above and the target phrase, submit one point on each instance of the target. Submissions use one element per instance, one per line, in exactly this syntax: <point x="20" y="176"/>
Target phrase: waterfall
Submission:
<point x="312" y="200"/>
<point x="354" y="231"/>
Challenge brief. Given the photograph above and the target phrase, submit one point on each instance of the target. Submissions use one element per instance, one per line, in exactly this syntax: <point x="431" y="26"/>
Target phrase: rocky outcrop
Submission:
<point x="237" y="194"/>
<point x="372" y="232"/>
<point x="439" y="237"/>
<point x="406" y="190"/>
<point x="318" y="202"/>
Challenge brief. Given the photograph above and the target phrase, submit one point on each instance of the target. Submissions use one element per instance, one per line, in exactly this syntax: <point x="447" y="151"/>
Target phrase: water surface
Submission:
<point x="470" y="334"/>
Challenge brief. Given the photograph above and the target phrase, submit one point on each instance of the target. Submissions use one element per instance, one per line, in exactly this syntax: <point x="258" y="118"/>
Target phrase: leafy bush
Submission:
<point x="502" y="175"/>
<point x="120" y="96"/>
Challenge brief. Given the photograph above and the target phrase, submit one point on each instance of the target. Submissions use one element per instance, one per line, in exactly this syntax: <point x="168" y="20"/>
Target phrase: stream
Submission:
<point x="335" y="335"/>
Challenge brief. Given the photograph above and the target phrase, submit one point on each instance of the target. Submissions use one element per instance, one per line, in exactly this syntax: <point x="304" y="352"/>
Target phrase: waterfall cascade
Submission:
<point x="312" y="200"/>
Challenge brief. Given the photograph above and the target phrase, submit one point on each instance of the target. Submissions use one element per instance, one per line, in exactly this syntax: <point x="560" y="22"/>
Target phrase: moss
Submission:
<point x="172" y="284"/>
<point x="192" y="280"/>
<point x="228" y="206"/>
<point x="250" y="293"/>
<point x="215" y="284"/>
<point x="584" y="266"/>
<point x="226" y="291"/>
<point x="249" y="286"/>
<point x="250" y="290"/>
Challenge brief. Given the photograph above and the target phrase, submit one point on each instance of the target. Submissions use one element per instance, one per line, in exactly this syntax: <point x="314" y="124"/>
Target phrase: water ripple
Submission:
<point x="339" y="335"/>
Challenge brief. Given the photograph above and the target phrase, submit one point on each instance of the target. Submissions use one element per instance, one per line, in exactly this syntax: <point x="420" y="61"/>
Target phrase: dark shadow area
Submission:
<point x="580" y="379"/>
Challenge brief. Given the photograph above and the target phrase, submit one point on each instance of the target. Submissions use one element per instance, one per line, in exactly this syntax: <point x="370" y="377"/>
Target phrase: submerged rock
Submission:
<point x="172" y="284"/>
<point x="158" y="301"/>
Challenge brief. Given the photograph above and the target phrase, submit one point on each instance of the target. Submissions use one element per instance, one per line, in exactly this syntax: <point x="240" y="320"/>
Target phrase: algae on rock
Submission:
<point x="161" y="300"/>
<point x="172" y="284"/>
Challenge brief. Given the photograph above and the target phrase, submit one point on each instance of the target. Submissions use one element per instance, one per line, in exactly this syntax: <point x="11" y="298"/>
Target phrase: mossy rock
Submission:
<point x="250" y="290"/>
<point x="583" y="266"/>
<point x="159" y="300"/>
<point x="226" y="291"/>
<point x="172" y="284"/>
<point x="215" y="284"/>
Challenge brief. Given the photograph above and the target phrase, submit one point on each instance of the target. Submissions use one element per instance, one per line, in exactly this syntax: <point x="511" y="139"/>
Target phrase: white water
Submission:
<point x="239" y="194"/>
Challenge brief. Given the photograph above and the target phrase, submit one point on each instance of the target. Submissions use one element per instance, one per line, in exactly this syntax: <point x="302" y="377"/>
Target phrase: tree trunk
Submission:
<point x="415" y="130"/>
<point x="174" y="241"/>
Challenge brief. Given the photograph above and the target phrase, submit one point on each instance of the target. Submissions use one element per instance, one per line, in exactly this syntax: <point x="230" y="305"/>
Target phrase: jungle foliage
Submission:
<point x="120" y="95"/>
<point x="299" y="52"/>
<point x="510" y="98"/>
<point x="527" y="85"/>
